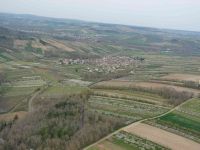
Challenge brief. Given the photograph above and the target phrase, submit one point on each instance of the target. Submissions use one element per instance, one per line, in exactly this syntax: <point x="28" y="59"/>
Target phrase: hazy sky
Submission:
<point x="175" y="14"/>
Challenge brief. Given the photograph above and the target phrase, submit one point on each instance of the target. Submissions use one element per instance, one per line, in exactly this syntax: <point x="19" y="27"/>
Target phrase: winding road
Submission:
<point x="30" y="105"/>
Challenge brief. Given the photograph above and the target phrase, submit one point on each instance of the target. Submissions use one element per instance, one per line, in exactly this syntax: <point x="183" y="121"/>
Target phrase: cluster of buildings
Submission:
<point x="105" y="64"/>
<point x="66" y="61"/>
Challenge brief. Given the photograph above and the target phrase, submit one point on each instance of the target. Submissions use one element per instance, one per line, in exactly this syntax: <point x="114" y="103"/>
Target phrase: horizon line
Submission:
<point x="99" y="22"/>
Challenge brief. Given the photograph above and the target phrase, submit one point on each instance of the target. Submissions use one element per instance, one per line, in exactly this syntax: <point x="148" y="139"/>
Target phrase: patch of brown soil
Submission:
<point x="106" y="145"/>
<point x="20" y="43"/>
<point x="60" y="45"/>
<point x="10" y="116"/>
<point x="162" y="137"/>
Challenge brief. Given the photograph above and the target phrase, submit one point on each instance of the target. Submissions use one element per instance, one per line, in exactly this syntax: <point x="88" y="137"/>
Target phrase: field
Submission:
<point x="191" y="107"/>
<point x="16" y="99"/>
<point x="183" y="121"/>
<point x="60" y="90"/>
<point x="124" y="108"/>
<point x="60" y="45"/>
<point x="162" y="137"/>
<point x="126" y="141"/>
<point x="111" y="96"/>
<point x="132" y="95"/>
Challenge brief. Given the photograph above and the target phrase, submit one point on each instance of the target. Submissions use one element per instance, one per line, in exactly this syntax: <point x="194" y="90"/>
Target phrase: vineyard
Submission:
<point x="124" y="108"/>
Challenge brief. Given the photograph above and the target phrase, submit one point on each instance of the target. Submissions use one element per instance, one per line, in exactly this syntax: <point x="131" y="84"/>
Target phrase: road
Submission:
<point x="30" y="102"/>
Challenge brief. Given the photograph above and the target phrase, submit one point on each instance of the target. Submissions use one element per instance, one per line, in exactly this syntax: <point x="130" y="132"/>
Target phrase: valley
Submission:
<point x="69" y="84"/>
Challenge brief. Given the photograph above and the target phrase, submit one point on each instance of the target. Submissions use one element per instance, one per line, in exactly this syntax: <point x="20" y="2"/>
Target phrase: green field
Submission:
<point x="59" y="90"/>
<point x="191" y="107"/>
<point x="16" y="99"/>
<point x="184" y="121"/>
<point x="181" y="120"/>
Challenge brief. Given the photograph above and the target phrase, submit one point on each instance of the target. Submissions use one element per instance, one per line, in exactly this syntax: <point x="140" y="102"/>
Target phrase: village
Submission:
<point x="106" y="63"/>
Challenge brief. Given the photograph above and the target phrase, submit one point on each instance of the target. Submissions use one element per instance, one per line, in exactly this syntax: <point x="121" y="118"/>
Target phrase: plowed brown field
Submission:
<point x="162" y="137"/>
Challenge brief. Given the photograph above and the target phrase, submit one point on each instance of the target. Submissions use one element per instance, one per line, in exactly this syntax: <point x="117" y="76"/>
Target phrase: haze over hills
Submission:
<point x="172" y="14"/>
<point x="47" y="36"/>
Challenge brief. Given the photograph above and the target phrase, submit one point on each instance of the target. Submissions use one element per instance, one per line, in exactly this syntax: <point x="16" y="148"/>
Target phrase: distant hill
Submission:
<point x="50" y="37"/>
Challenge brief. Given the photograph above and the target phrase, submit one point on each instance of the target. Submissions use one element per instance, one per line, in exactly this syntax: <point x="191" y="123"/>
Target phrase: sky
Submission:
<point x="172" y="14"/>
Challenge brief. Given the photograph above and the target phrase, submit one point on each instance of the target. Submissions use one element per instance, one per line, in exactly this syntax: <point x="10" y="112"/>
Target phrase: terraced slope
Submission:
<point x="130" y="109"/>
<point x="132" y="95"/>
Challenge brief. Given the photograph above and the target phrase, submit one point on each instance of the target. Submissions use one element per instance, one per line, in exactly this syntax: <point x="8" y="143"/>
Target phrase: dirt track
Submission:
<point x="30" y="105"/>
<point x="162" y="137"/>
